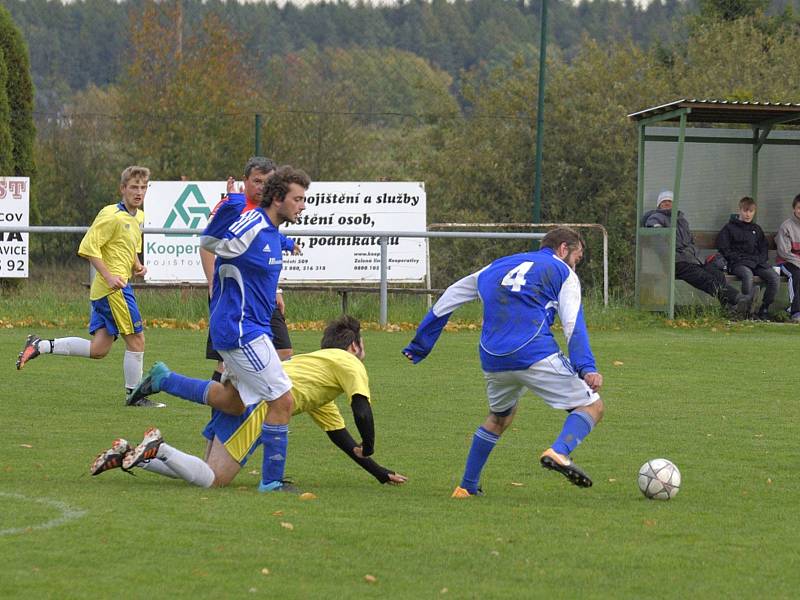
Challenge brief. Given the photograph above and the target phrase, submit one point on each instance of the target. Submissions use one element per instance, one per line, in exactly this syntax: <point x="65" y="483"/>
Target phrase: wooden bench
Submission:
<point x="706" y="242"/>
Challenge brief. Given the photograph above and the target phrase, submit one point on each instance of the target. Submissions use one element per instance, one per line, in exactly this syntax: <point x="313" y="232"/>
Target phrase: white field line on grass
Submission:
<point x="67" y="514"/>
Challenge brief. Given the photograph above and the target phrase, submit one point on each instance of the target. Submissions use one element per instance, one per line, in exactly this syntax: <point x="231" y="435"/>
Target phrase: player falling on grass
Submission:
<point x="111" y="245"/>
<point x="521" y="295"/>
<point x="317" y="378"/>
<point x="246" y="272"/>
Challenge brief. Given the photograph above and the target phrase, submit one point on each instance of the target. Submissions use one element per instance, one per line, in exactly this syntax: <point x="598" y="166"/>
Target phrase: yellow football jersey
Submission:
<point x="115" y="236"/>
<point x="318" y="378"/>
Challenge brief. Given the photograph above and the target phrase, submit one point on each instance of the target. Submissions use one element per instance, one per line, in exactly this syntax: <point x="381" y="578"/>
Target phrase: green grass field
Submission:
<point x="721" y="403"/>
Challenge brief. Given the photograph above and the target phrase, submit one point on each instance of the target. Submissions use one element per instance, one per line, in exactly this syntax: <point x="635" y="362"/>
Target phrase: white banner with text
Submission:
<point x="338" y="206"/>
<point x="14" y="210"/>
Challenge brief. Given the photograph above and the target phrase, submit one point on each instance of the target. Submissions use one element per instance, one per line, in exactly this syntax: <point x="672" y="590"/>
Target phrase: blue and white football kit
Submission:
<point x="246" y="272"/>
<point x="521" y="296"/>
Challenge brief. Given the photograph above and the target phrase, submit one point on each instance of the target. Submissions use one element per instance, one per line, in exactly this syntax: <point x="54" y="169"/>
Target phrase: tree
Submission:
<point x="19" y="92"/>
<point x="6" y="144"/>
<point x="730" y="10"/>
<point x="187" y="109"/>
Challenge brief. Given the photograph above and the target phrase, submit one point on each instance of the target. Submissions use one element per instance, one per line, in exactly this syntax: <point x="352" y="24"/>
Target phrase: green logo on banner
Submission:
<point x="190" y="210"/>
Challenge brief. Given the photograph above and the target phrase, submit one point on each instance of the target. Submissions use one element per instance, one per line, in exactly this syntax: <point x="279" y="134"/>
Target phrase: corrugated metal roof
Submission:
<point x="723" y="111"/>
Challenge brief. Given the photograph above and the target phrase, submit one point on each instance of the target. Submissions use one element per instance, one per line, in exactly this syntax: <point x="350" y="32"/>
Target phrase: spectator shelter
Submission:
<point x="709" y="168"/>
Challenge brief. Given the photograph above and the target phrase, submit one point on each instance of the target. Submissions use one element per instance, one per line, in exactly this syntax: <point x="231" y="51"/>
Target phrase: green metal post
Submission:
<point x="639" y="207"/>
<point x="676" y="193"/>
<point x="754" y="166"/>
<point x="258" y="135"/>
<point x="537" y="186"/>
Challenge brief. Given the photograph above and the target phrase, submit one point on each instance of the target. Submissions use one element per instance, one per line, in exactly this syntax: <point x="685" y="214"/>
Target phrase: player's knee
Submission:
<point x="281" y="408"/>
<point x="98" y="353"/>
<point x="597" y="410"/>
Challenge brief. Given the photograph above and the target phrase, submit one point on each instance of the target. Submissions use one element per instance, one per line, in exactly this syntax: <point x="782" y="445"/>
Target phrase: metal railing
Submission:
<point x="542" y="225"/>
<point x="383" y="235"/>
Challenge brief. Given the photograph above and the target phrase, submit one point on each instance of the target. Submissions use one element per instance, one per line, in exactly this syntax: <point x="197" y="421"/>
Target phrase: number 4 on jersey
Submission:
<point x="515" y="278"/>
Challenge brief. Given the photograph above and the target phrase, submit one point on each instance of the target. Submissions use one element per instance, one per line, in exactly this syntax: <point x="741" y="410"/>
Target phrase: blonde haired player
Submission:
<point x="112" y="245"/>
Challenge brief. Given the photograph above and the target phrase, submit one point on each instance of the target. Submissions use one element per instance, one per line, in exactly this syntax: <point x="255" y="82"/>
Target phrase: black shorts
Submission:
<point x="280" y="336"/>
<point x="280" y="332"/>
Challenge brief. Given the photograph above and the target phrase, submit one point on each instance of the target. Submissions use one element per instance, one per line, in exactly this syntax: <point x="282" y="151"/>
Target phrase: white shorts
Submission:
<point x="256" y="371"/>
<point x="552" y="379"/>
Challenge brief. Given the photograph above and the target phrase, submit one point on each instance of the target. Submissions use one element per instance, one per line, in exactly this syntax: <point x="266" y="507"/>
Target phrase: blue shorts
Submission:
<point x="117" y="313"/>
<point x="240" y="435"/>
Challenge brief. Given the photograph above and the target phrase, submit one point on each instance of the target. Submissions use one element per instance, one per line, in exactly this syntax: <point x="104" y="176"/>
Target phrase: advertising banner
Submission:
<point x="335" y="206"/>
<point x="14" y="210"/>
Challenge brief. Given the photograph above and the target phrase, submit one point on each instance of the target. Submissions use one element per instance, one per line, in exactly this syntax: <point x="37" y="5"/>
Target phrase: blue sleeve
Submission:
<point x="226" y="215"/>
<point x="287" y="244"/>
<point x="580" y="353"/>
<point x="428" y="332"/>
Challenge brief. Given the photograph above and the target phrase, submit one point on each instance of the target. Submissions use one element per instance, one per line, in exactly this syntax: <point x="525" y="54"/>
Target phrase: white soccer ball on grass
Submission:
<point x="659" y="479"/>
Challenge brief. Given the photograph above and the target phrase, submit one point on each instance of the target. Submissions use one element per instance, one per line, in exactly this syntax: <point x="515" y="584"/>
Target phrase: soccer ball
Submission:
<point x="659" y="479"/>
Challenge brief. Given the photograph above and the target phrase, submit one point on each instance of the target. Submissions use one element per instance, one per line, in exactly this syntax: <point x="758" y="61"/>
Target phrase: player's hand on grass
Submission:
<point x="593" y="380"/>
<point x="396" y="479"/>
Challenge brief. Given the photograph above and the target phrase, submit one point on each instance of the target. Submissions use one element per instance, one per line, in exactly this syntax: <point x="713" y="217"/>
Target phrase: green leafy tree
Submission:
<point x="19" y="91"/>
<point x="186" y="101"/>
<point x="6" y="145"/>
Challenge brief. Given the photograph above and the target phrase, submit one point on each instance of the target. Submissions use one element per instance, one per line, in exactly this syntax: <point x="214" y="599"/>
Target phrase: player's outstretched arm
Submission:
<point x="346" y="443"/>
<point x="362" y="415"/>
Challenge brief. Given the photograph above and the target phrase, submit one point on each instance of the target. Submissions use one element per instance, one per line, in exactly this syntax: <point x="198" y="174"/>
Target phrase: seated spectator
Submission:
<point x="689" y="267"/>
<point x="787" y="241"/>
<point x="745" y="247"/>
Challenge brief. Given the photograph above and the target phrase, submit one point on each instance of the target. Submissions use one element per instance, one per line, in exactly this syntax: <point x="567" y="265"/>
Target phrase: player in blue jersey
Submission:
<point x="521" y="296"/>
<point x="249" y="261"/>
<point x="318" y="378"/>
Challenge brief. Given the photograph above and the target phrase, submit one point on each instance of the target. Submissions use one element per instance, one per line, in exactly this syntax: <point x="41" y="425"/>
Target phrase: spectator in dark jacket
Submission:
<point x="689" y="267"/>
<point x="744" y="245"/>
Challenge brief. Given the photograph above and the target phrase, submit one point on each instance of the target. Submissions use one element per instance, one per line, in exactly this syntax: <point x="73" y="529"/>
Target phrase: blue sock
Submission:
<point x="187" y="388"/>
<point x="577" y="426"/>
<point x="275" y="439"/>
<point x="483" y="442"/>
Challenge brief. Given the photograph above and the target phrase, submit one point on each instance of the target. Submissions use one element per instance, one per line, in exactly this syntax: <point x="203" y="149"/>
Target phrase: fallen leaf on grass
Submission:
<point x="308" y="496"/>
<point x="517" y="484"/>
<point x="265" y="571"/>
<point x="649" y="522"/>
<point x="370" y="579"/>
<point x="617" y="363"/>
<point x="287" y="525"/>
<point x="277" y="513"/>
<point x="25" y="446"/>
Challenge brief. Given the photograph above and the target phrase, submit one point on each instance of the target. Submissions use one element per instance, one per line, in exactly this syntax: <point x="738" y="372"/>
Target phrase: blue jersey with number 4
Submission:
<point x="246" y="273"/>
<point x="521" y="296"/>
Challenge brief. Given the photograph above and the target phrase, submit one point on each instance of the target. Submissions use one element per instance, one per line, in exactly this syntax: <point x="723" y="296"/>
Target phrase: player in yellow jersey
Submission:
<point x="318" y="378"/>
<point x="112" y="245"/>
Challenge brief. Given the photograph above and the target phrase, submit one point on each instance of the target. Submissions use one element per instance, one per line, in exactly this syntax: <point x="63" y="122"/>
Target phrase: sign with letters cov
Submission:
<point x="335" y="206"/>
<point x="14" y="210"/>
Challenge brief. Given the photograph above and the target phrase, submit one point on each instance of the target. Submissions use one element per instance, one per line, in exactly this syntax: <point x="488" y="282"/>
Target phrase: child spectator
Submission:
<point x="744" y="245"/>
<point x="787" y="241"/>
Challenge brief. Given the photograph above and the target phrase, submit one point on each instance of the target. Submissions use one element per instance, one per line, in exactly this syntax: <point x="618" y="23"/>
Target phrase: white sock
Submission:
<point x="69" y="346"/>
<point x="159" y="466"/>
<point x="189" y="468"/>
<point x="132" y="367"/>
